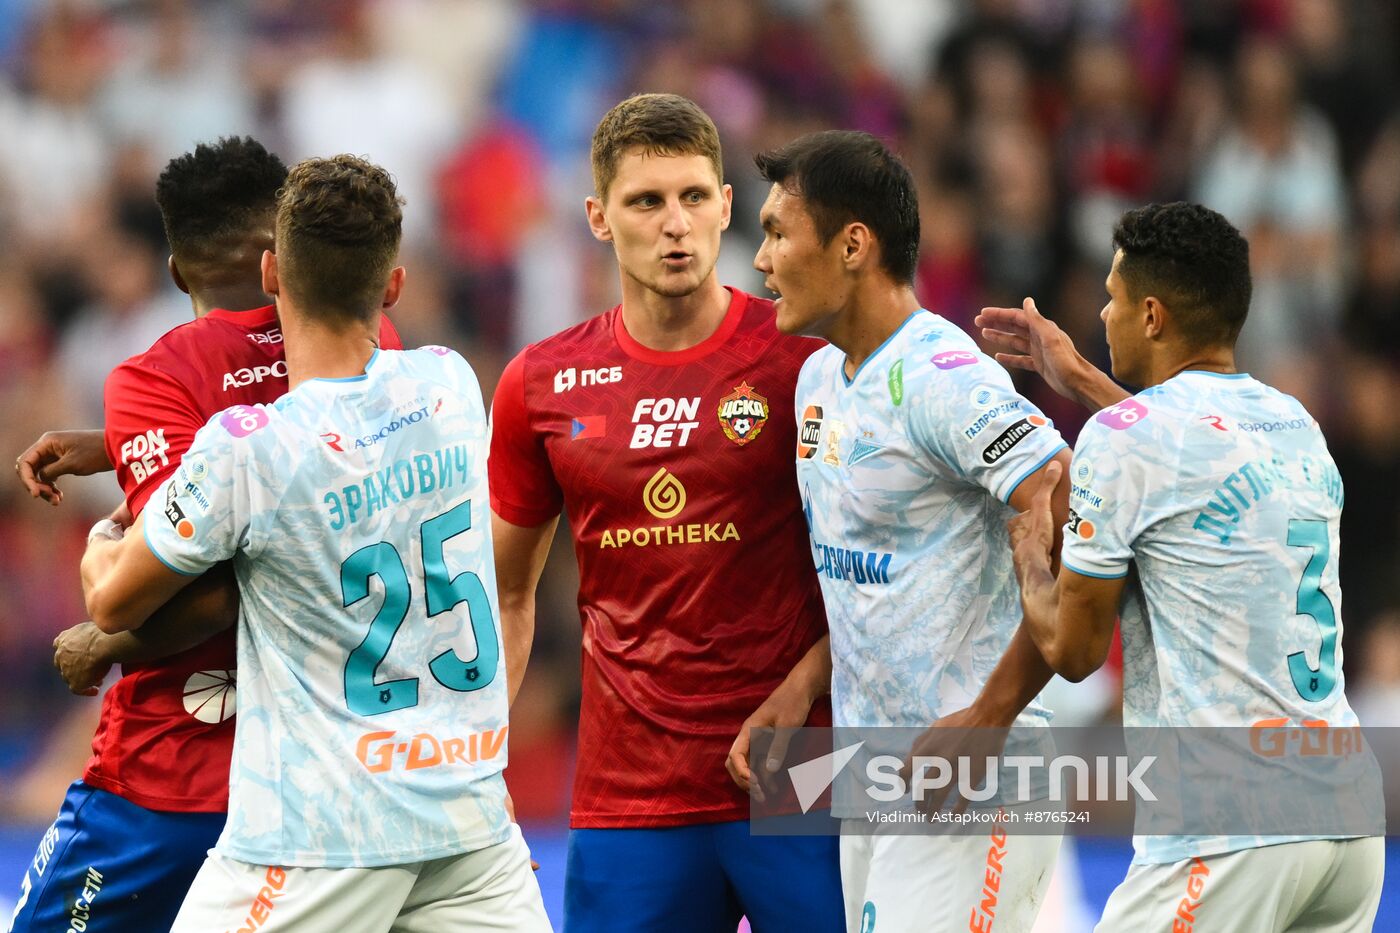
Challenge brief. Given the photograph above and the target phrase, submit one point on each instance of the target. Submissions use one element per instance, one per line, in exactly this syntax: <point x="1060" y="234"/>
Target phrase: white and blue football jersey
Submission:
<point x="372" y="697"/>
<point x="1222" y="491"/>
<point x="905" y="471"/>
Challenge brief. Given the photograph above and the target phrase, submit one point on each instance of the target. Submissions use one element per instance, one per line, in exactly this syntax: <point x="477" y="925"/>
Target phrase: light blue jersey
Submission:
<point x="372" y="701"/>
<point x="905" y="471"/>
<point x="1222" y="491"/>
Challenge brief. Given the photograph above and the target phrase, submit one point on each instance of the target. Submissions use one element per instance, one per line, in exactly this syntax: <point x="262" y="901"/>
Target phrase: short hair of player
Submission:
<point x="845" y="177"/>
<point x="217" y="195"/>
<point x="1194" y="261"/>
<point x="658" y="124"/>
<point x="339" y="222"/>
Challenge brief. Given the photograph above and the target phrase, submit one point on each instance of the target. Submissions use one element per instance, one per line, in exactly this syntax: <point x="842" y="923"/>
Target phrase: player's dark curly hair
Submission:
<point x="1194" y="261"/>
<point x="339" y="222"/>
<point x="218" y="191"/>
<point x="846" y="176"/>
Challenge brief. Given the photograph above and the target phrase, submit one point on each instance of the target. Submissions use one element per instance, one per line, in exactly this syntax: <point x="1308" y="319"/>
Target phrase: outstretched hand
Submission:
<point x="60" y="453"/>
<point x="1025" y="339"/>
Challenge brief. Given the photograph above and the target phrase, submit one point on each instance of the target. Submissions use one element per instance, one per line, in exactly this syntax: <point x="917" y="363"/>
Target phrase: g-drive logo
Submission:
<point x="1068" y="776"/>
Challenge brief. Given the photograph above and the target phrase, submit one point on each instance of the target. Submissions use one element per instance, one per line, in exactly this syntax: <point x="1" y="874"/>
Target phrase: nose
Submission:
<point x="1103" y="315"/>
<point x="761" y="261"/>
<point x="677" y="222"/>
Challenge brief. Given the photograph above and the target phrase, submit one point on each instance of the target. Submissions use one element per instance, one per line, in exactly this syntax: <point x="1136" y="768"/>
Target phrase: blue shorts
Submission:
<point x="109" y="866"/>
<point x="701" y="879"/>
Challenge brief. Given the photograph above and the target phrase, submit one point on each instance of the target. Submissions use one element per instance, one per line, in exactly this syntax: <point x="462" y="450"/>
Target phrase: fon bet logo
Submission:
<point x="664" y="496"/>
<point x="742" y="414"/>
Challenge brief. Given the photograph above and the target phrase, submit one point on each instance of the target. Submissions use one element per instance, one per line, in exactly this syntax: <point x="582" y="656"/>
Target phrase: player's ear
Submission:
<point x="597" y="219"/>
<point x="394" y="289"/>
<point x="175" y="274"/>
<point x="857" y="246"/>
<point x="269" y="272"/>
<point x="1154" y="319"/>
<point x="727" y="195"/>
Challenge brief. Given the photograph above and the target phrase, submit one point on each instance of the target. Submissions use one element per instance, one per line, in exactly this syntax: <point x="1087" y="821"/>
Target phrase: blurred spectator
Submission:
<point x="356" y="98"/>
<point x="175" y="85"/>
<point x="1377" y="700"/>
<point x="54" y="158"/>
<point x="134" y="302"/>
<point x="1277" y="176"/>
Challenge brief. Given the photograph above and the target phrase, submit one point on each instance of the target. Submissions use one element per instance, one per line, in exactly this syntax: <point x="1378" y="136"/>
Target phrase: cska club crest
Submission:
<point x="742" y="414"/>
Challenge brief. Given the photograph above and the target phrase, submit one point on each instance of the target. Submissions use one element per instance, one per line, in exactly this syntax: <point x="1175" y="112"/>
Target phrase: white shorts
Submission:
<point x="490" y="889"/>
<point x="1322" y="886"/>
<point x="945" y="883"/>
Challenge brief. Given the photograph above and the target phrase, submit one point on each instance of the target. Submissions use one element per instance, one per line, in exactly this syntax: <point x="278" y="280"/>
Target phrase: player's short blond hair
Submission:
<point x="658" y="124"/>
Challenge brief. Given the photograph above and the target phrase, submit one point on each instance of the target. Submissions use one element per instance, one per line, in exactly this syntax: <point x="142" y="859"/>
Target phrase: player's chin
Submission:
<point x="676" y="285"/>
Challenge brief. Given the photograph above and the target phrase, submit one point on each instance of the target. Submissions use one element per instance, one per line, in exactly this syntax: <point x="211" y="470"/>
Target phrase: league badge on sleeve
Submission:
<point x="742" y="414"/>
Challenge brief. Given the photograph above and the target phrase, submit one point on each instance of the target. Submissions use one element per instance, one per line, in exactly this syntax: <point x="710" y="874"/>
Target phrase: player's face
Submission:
<point x="808" y="274"/>
<point x="664" y="215"/>
<point x="1123" y="326"/>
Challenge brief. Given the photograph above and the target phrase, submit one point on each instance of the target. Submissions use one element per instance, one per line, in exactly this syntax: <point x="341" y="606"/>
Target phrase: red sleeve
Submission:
<point x="519" y="470"/>
<point x="389" y="338"/>
<point x="150" y="422"/>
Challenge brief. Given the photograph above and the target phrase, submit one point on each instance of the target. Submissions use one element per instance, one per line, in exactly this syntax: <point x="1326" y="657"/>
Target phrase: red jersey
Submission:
<point x="166" y="733"/>
<point x="697" y="590"/>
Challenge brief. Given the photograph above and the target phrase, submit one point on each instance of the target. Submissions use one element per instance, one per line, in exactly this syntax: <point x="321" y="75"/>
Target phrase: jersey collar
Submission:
<point x="738" y="302"/>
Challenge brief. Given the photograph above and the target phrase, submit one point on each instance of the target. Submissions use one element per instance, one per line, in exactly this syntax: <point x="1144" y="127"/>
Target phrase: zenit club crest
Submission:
<point x="742" y="414"/>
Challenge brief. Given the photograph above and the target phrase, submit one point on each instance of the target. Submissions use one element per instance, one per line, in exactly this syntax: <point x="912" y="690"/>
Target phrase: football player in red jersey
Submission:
<point x="132" y="833"/>
<point x="662" y="427"/>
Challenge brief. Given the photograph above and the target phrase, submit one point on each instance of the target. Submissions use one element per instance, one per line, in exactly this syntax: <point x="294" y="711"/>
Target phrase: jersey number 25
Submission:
<point x="362" y="694"/>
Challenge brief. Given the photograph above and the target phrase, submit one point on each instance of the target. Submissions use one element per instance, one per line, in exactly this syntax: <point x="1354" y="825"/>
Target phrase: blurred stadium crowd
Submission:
<point x="1031" y="124"/>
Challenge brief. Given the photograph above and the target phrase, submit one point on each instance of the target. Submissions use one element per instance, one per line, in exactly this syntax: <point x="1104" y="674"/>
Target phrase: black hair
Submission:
<point x="220" y="190"/>
<point x="1194" y="261"/>
<point x="845" y="176"/>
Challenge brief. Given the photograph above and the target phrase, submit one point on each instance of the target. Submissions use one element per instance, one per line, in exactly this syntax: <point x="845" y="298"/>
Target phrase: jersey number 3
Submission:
<point x="1314" y="684"/>
<point x="362" y="694"/>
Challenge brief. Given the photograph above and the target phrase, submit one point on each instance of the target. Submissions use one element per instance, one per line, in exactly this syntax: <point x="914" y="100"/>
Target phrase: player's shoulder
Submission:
<point x="1141" y="425"/>
<point x="243" y="429"/>
<point x="592" y="336"/>
<point x="936" y="348"/>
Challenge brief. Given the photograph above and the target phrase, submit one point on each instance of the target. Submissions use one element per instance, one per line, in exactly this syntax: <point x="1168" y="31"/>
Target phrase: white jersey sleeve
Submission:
<point x="966" y="413"/>
<point x="205" y="506"/>
<point x="1119" y="486"/>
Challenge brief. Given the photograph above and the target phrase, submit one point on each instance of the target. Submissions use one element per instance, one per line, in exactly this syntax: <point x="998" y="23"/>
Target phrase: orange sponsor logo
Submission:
<point x="1274" y="738"/>
<point x="388" y="751"/>
<point x="986" y="910"/>
<point x="1185" y="919"/>
<point x="263" y="905"/>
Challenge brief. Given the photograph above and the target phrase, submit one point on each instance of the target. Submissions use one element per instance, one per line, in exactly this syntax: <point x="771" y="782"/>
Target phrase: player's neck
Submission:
<point x="229" y="299"/>
<point x="876" y="311"/>
<point x="316" y="351"/>
<point x="1195" y="359"/>
<point x="668" y="324"/>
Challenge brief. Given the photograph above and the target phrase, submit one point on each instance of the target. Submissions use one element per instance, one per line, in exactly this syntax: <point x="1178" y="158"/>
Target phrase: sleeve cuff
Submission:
<point x="150" y="545"/>
<point x="1096" y="574"/>
<point x="522" y="517"/>
<point x="1031" y="472"/>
